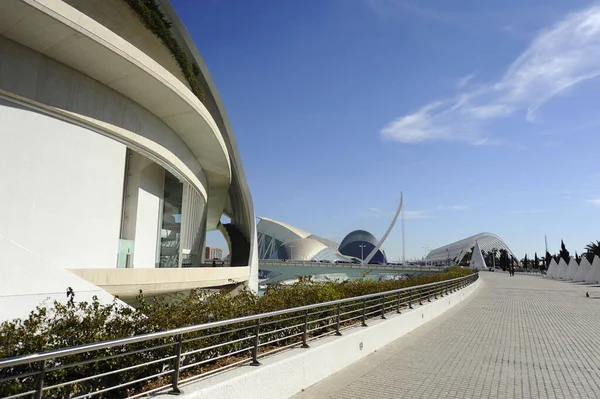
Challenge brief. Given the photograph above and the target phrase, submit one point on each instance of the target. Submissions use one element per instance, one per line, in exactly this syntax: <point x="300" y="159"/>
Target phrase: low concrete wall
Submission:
<point x="288" y="373"/>
<point x="128" y="282"/>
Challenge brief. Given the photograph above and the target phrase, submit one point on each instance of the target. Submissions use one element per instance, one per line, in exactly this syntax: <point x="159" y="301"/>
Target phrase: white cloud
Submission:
<point x="595" y="201"/>
<point x="527" y="211"/>
<point x="488" y="111"/>
<point x="402" y="8"/>
<point x="556" y="60"/>
<point x="464" y="81"/>
<point x="417" y="215"/>
<point x="453" y="207"/>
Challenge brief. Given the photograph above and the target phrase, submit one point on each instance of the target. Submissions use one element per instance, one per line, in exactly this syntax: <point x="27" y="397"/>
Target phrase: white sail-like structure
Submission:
<point x="477" y="261"/>
<point x="387" y="233"/>
<point x="552" y="269"/>
<point x="572" y="271"/>
<point x="562" y="269"/>
<point x="594" y="275"/>
<point x="584" y="270"/>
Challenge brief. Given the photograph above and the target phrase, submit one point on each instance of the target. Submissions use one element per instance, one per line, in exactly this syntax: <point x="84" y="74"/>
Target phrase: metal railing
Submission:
<point x="161" y="361"/>
<point x="370" y="266"/>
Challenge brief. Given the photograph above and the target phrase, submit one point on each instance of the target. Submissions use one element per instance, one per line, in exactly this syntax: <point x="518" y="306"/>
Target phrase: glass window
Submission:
<point x="170" y="235"/>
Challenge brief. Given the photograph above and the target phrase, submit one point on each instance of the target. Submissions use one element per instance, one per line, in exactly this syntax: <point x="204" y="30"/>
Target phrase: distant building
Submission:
<point x="456" y="251"/>
<point x="212" y="253"/>
<point x="278" y="240"/>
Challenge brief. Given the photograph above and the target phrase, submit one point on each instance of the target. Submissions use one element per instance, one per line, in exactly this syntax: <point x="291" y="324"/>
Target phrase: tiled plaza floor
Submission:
<point x="515" y="337"/>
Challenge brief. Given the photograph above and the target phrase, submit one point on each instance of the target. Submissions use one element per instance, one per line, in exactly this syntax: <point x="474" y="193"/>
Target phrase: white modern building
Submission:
<point x="116" y="156"/>
<point x="456" y="251"/>
<point x="278" y="240"/>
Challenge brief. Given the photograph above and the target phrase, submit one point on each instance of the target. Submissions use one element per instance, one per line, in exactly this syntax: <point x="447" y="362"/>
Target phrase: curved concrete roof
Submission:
<point x="331" y="244"/>
<point x="283" y="227"/>
<point x="279" y="239"/>
<point x="457" y="250"/>
<point x="303" y="248"/>
<point x="240" y="207"/>
<point x="59" y="31"/>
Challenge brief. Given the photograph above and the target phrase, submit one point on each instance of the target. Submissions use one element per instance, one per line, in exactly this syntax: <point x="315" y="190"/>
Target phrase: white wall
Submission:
<point x="60" y="206"/>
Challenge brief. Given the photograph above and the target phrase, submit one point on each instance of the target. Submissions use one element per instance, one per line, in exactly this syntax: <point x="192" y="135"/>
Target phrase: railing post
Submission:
<point x="435" y="290"/>
<point x="410" y="298"/>
<point x="176" y="364"/>
<point x="383" y="307"/>
<point x="364" y="313"/>
<point x="398" y="304"/>
<point x="420" y="297"/>
<point x="305" y="332"/>
<point x="429" y="295"/>
<point x="39" y="385"/>
<point x="255" y="361"/>
<point x="337" y="323"/>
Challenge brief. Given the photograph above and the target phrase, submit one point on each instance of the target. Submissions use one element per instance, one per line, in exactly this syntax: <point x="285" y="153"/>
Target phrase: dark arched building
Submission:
<point x="359" y="244"/>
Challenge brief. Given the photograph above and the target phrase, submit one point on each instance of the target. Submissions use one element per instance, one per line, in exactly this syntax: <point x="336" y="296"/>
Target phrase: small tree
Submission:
<point x="577" y="258"/>
<point x="525" y="262"/>
<point x="591" y="250"/>
<point x="564" y="254"/>
<point x="536" y="262"/>
<point x="548" y="259"/>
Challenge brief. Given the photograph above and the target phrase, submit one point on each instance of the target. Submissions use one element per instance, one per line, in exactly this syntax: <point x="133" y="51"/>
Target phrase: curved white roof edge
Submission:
<point x="161" y="93"/>
<point x="305" y="248"/>
<point x="298" y="232"/>
<point x="461" y="247"/>
<point x="244" y="197"/>
<point x="147" y="147"/>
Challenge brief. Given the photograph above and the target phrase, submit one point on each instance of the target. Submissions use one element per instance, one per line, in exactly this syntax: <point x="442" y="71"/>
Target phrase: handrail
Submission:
<point x="400" y="298"/>
<point x="15" y="361"/>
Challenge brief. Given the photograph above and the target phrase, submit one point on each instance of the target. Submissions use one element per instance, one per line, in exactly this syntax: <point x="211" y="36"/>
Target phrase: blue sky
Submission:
<point x="483" y="113"/>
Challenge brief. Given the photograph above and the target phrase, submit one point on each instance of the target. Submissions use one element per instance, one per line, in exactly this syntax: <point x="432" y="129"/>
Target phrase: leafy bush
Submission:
<point x="82" y="323"/>
<point x="155" y="21"/>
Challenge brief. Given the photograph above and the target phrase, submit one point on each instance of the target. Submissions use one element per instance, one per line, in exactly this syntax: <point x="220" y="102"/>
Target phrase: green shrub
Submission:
<point x="81" y="323"/>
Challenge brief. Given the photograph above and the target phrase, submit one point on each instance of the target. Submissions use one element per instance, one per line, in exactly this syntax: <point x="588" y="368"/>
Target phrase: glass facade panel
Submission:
<point x="170" y="235"/>
<point x="193" y="227"/>
<point x="125" y="255"/>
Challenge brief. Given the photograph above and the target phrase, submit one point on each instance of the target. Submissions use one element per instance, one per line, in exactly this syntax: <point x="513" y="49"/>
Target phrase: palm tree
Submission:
<point x="593" y="248"/>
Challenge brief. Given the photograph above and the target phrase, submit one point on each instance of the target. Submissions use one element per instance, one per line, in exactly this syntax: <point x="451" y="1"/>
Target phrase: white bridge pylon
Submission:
<point x="374" y="251"/>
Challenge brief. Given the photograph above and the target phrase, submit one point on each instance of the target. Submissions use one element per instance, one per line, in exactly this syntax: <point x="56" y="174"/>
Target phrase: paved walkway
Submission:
<point x="515" y="337"/>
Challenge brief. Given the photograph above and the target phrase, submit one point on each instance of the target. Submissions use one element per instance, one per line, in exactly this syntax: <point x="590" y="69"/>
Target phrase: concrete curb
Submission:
<point x="284" y="375"/>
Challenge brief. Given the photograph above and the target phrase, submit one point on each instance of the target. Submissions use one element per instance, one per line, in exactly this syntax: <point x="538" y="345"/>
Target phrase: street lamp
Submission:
<point x="424" y="256"/>
<point x="362" y="255"/>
